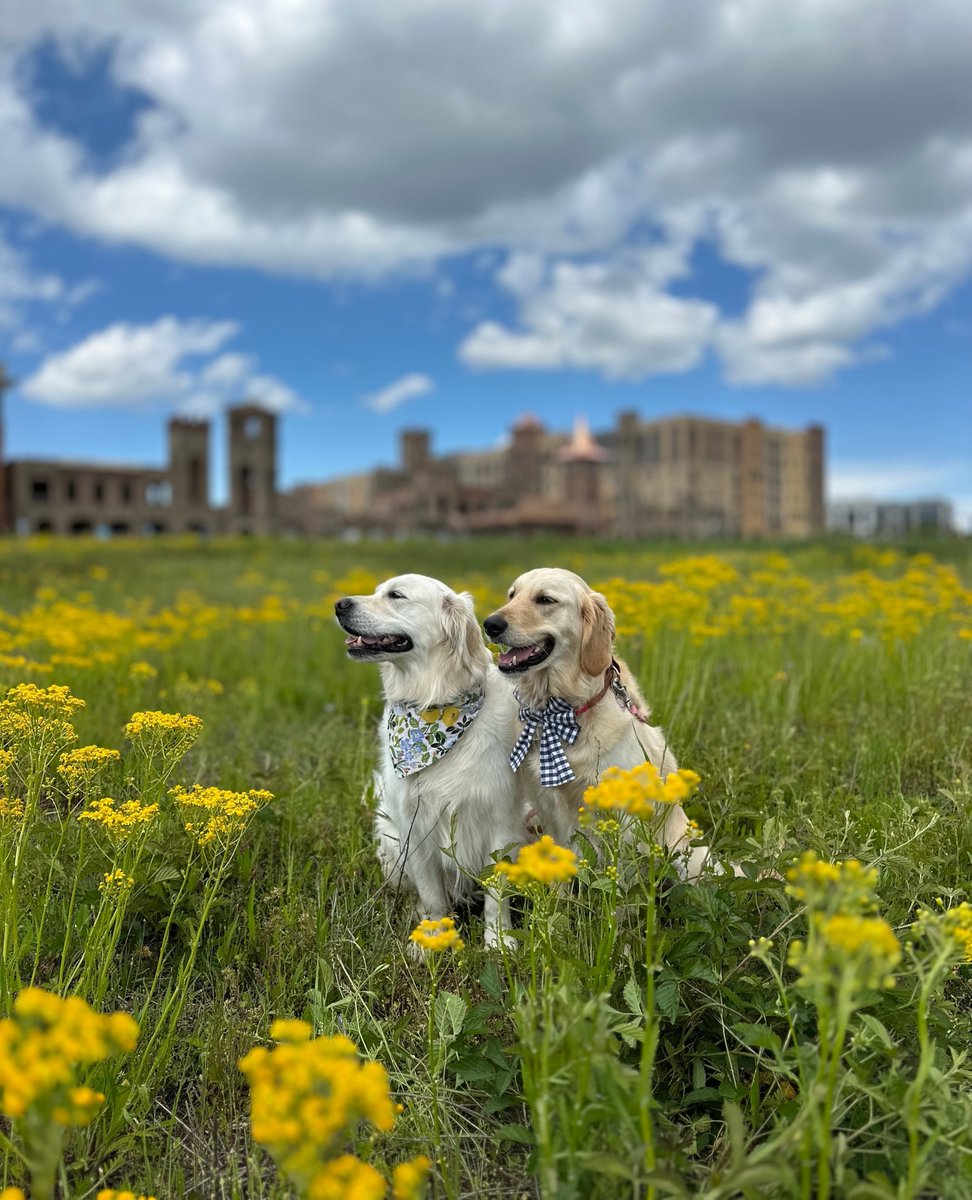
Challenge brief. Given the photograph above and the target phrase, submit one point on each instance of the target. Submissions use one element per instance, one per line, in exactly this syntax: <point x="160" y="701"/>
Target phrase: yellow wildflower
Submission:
<point x="81" y="766"/>
<point x="638" y="790"/>
<point x="864" y="945"/>
<point x="408" y="1178"/>
<point x="822" y="884"/>
<point x="170" y="728"/>
<point x="218" y="815"/>
<point x="116" y="883"/>
<point x="6" y="762"/>
<point x="437" y="935"/>
<point x="289" y="1030"/>
<point x="954" y="925"/>
<point x="43" y="1044"/>
<point x="12" y="1193"/>
<point x="112" y="1194"/>
<point x="142" y="670"/>
<point x="12" y="808"/>
<point x="540" y="862"/>
<point x="308" y="1097"/>
<point x="119" y="823"/>
<point x="37" y="715"/>
<point x="346" y="1178"/>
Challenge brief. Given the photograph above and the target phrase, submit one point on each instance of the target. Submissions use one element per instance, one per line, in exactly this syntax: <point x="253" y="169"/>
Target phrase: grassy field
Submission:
<point x="745" y="1037"/>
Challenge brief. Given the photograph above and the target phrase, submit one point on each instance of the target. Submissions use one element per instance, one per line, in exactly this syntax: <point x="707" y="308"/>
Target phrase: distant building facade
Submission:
<point x="890" y="519"/>
<point x="680" y="477"/>
<point x="49" y="496"/>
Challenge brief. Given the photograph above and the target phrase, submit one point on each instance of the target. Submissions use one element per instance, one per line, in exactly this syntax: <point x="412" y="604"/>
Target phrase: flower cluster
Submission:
<point x="11" y="808"/>
<point x="437" y="935"/>
<point x="639" y="790"/>
<point x="408" y="1178"/>
<point x="952" y="928"/>
<point x="82" y="766"/>
<point x="120" y="822"/>
<point x="166" y="734"/>
<point x="865" y="945"/>
<point x="308" y="1096"/>
<point x="43" y="1044"/>
<point x="31" y="714"/>
<point x="213" y="814"/>
<point x="112" y="1194"/>
<point x="821" y="884"/>
<point x="116" y="883"/>
<point x="846" y="941"/>
<point x="542" y="861"/>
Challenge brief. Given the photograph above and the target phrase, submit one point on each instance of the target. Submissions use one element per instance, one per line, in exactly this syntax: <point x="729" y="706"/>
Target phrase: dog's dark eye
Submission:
<point x="545" y="600"/>
<point x="394" y="596"/>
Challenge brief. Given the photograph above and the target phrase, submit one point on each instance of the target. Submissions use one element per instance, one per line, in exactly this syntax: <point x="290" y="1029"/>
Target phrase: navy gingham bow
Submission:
<point x="557" y="723"/>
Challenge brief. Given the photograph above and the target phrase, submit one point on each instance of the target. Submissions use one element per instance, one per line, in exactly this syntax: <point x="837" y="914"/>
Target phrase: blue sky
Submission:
<point x="357" y="229"/>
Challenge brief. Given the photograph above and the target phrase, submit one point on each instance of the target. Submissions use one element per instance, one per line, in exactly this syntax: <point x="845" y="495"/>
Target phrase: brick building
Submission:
<point x="63" y="497"/>
<point x="681" y="477"/>
<point x="685" y="477"/>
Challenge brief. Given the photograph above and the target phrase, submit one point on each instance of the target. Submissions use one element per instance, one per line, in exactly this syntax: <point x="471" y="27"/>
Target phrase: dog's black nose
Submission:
<point x="343" y="605"/>
<point x="494" y="626"/>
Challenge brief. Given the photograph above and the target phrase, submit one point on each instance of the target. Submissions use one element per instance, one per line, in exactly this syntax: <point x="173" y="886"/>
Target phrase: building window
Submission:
<point x="246" y="490"/>
<point x="126" y="492"/>
<point x="158" y="493"/>
<point x="99" y="492"/>
<point x="195" y="480"/>
<point x="39" y="490"/>
<point x="71" y="489"/>
<point x="252" y="427"/>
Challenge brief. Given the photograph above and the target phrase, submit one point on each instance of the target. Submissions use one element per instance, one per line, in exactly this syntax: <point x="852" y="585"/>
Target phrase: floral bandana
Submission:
<point x="418" y="737"/>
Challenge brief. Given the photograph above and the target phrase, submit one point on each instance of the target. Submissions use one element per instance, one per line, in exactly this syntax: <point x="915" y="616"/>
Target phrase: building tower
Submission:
<point x="189" y="474"/>
<point x="581" y="462"/>
<point x="525" y="459"/>
<point x="6" y="383"/>
<point x="252" y="469"/>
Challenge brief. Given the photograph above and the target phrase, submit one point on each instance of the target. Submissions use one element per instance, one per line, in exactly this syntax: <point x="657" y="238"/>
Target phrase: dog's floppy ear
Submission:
<point x="597" y="641"/>
<point x="462" y="630"/>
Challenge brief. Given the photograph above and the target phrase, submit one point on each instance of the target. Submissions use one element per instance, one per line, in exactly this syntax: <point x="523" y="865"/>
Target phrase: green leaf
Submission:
<point x="666" y="998"/>
<point x="490" y="981"/>
<point x="633" y="998"/>
<point x="450" y="1012"/>
<point x="757" y="1035"/>
<point x="515" y="1133"/>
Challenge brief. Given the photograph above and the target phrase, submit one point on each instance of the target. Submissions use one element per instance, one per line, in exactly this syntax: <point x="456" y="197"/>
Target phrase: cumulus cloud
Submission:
<point x="397" y="393"/>
<point x="169" y="361"/>
<point x="614" y="318"/>
<point x="830" y="155"/>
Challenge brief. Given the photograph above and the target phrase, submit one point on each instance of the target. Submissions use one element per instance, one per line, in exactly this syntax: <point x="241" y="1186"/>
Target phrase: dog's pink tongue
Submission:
<point x="516" y="654"/>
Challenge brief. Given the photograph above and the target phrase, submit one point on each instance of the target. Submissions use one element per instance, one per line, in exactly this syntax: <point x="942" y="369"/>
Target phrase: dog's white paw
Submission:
<point x="494" y="937"/>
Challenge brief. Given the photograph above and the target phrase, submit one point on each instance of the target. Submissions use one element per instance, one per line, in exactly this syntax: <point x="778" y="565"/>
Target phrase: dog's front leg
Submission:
<point x="496" y="915"/>
<point x="433" y="901"/>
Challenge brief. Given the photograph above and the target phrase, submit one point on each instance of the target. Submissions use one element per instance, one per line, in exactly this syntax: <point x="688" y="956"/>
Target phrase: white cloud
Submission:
<point x="613" y="318"/>
<point x="830" y="155"/>
<point x="131" y="366"/>
<point x="397" y="393"/>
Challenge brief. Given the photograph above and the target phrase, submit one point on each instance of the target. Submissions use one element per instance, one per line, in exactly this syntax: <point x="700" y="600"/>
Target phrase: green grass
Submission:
<point x="853" y="748"/>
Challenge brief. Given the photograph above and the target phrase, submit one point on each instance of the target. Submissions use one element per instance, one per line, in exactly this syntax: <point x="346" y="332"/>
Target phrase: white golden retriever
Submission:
<point x="447" y="799"/>
<point x="558" y="636"/>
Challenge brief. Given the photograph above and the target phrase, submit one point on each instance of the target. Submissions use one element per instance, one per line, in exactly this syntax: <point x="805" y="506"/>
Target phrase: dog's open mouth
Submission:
<point x="521" y="658"/>
<point x="363" y="646"/>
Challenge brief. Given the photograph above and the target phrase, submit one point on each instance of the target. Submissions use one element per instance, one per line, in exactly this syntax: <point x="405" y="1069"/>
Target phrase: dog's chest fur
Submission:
<point x="451" y="816"/>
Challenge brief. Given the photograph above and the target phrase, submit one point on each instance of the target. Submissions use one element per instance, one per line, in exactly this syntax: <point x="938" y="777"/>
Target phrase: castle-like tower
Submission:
<point x="189" y="472"/>
<point x="252" y="470"/>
